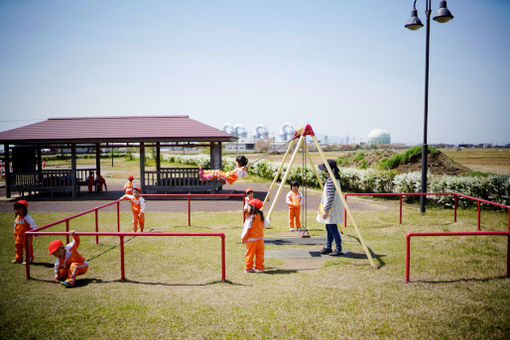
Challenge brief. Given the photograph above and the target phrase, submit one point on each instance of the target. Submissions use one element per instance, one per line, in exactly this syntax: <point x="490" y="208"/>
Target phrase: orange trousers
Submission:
<point x="75" y="269"/>
<point x="20" y="249"/>
<point x="294" y="213"/>
<point x="138" y="219"/>
<point x="254" y="248"/>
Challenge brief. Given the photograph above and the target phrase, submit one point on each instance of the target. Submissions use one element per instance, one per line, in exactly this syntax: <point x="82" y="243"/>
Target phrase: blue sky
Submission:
<point x="345" y="67"/>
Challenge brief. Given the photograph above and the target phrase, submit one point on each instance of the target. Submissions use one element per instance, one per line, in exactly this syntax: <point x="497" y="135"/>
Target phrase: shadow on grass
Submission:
<point x="43" y="264"/>
<point x="364" y="256"/>
<point x="87" y="281"/>
<point x="116" y="246"/>
<point x="487" y="279"/>
<point x="275" y="271"/>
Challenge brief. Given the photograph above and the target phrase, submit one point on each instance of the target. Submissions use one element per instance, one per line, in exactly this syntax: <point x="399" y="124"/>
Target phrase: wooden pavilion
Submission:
<point x="23" y="148"/>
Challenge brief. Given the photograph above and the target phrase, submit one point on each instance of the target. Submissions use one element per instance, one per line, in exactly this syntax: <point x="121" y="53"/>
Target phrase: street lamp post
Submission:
<point x="414" y="23"/>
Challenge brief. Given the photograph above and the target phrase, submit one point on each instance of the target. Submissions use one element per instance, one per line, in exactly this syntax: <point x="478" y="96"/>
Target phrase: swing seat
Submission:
<point x="304" y="234"/>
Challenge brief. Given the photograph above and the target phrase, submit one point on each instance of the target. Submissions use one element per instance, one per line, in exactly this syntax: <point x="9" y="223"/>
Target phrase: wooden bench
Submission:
<point x="178" y="180"/>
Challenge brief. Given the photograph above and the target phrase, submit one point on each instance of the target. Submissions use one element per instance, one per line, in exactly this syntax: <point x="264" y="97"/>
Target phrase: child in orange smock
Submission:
<point x="253" y="237"/>
<point x="23" y="223"/>
<point x="249" y="196"/>
<point x="137" y="207"/>
<point x="128" y="187"/>
<point x="293" y="200"/>
<point x="69" y="263"/>
<point x="90" y="181"/>
<point x="226" y="177"/>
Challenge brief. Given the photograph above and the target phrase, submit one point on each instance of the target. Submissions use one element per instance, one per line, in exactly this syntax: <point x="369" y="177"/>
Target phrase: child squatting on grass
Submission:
<point x="253" y="237"/>
<point x="23" y="223"/>
<point x="293" y="200"/>
<point x="137" y="207"/>
<point x="69" y="263"/>
<point x="226" y="177"/>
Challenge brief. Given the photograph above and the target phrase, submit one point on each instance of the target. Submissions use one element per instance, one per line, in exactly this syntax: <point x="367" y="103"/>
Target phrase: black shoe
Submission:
<point x="336" y="253"/>
<point x="325" y="251"/>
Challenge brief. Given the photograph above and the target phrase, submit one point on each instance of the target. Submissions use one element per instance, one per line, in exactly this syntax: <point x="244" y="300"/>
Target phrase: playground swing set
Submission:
<point x="298" y="142"/>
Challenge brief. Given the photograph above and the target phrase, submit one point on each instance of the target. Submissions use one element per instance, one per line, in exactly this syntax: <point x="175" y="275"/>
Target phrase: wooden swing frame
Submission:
<point x="300" y="136"/>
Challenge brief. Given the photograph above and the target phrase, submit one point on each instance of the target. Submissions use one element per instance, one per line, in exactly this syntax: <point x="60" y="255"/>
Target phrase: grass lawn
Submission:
<point x="458" y="287"/>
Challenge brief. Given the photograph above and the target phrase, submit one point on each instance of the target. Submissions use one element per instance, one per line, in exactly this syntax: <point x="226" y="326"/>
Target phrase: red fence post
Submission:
<point x="478" y="215"/>
<point x="223" y="257"/>
<point x="97" y="237"/>
<point x="27" y="257"/>
<point x="508" y="257"/>
<point x="122" y="273"/>
<point x="118" y="216"/>
<point x="400" y="209"/>
<point x="189" y="210"/>
<point x="67" y="230"/>
<point x="455" y="211"/>
<point x="345" y="212"/>
<point x="408" y="256"/>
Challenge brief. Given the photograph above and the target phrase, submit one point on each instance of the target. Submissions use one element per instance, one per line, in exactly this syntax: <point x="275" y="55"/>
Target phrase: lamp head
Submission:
<point x="414" y="22"/>
<point x="443" y="14"/>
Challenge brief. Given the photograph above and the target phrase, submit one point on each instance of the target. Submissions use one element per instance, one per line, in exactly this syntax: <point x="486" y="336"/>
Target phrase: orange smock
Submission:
<point x="128" y="188"/>
<point x="23" y="224"/>
<point x="253" y="236"/>
<point x="294" y="200"/>
<point x="72" y="263"/>
<point x="138" y="209"/>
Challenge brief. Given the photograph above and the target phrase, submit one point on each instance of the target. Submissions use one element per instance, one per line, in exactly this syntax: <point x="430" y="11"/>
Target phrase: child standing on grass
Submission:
<point x="137" y="207"/>
<point x="23" y="223"/>
<point x="293" y="200"/>
<point x="247" y="198"/>
<point x="128" y="187"/>
<point x="69" y="263"/>
<point x="253" y="237"/>
<point x="226" y="177"/>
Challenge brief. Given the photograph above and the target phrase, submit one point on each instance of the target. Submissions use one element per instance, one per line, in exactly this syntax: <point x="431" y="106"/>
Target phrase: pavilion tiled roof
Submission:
<point x="116" y="129"/>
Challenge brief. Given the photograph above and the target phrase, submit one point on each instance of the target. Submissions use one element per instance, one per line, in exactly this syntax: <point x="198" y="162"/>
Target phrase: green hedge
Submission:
<point x="493" y="187"/>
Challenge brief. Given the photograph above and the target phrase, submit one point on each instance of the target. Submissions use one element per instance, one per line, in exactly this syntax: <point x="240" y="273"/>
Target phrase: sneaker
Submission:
<point x="259" y="271"/>
<point x="291" y="229"/>
<point x="246" y="271"/>
<point x="336" y="253"/>
<point x="15" y="261"/>
<point x="298" y="229"/>
<point x="325" y="251"/>
<point x="66" y="284"/>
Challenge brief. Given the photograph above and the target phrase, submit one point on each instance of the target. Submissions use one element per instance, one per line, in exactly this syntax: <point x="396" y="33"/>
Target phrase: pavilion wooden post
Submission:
<point x="98" y="158"/>
<point x="7" y="171"/>
<point x="73" y="170"/>
<point x="142" y="166"/>
<point x="158" y="162"/>
<point x="39" y="164"/>
<point x="215" y="155"/>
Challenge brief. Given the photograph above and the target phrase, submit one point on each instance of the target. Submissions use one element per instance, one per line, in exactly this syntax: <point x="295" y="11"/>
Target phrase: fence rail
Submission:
<point x="476" y="233"/>
<point x="456" y="195"/>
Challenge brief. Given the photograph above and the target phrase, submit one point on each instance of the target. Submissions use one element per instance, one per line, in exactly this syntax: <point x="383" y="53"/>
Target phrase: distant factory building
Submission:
<point x="379" y="136"/>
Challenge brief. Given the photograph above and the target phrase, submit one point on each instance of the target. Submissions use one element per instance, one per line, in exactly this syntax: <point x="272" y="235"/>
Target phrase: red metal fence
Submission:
<point x="95" y="210"/>
<point x="121" y="237"/>
<point x="476" y="233"/>
<point x="402" y="194"/>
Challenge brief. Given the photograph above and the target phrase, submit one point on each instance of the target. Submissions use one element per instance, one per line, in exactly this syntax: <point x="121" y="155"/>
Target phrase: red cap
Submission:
<point x="54" y="245"/>
<point x="248" y="190"/>
<point x="137" y="188"/>
<point x="25" y="203"/>
<point x="256" y="203"/>
<point x="130" y="178"/>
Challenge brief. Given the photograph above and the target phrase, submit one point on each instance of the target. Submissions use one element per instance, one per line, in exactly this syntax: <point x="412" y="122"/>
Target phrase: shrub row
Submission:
<point x="492" y="188"/>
